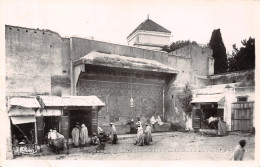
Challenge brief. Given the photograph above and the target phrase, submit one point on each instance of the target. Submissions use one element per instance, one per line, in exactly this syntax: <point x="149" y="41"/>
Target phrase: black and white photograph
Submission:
<point x="142" y="81"/>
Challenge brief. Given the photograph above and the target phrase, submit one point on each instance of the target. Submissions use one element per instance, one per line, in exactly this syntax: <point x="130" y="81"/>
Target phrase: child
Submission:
<point x="239" y="151"/>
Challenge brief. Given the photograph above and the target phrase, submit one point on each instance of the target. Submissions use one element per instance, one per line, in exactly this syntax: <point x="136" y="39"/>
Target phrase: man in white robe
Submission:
<point x="140" y="136"/>
<point x="147" y="135"/>
<point x="83" y="136"/>
<point x="75" y="135"/>
<point x="113" y="134"/>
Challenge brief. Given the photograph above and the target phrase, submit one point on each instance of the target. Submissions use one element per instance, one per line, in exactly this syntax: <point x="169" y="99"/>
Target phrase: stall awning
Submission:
<point x="23" y="120"/>
<point x="21" y="112"/>
<point x="216" y="98"/>
<point x="51" y="101"/>
<point x="27" y="102"/>
<point x="84" y="101"/>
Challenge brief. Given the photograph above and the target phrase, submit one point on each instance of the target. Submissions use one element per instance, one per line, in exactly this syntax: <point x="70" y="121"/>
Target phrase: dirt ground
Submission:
<point x="165" y="146"/>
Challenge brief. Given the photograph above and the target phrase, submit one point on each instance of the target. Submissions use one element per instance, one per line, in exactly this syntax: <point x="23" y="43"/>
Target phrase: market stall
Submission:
<point x="23" y="124"/>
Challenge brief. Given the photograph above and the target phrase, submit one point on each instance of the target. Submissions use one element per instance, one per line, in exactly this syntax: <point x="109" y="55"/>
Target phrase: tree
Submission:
<point x="219" y="52"/>
<point x="177" y="45"/>
<point x="243" y="58"/>
<point x="166" y="48"/>
<point x="180" y="44"/>
<point x="185" y="97"/>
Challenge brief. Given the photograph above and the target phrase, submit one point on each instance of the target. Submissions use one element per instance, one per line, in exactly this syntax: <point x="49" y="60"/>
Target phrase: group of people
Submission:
<point x="79" y="135"/>
<point x="53" y="135"/>
<point x="143" y="136"/>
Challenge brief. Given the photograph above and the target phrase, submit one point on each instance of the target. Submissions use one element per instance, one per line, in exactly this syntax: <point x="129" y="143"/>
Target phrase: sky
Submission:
<point x="113" y="20"/>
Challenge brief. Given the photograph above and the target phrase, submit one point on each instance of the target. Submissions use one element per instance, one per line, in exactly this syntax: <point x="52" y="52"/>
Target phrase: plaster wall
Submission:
<point x="173" y="109"/>
<point x="80" y="47"/>
<point x="153" y="39"/>
<point x="34" y="61"/>
<point x="192" y="60"/>
<point x="184" y="66"/>
<point x="247" y="76"/>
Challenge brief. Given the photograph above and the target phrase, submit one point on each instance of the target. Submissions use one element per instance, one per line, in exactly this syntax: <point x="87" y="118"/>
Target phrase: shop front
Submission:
<point x="207" y="110"/>
<point x="62" y="114"/>
<point x="23" y="125"/>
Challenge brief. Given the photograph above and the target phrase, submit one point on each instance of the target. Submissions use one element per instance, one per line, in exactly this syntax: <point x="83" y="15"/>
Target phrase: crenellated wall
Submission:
<point x="34" y="61"/>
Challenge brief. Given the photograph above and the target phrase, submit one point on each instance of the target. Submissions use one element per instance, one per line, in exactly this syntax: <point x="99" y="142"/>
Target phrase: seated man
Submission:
<point x="95" y="139"/>
<point x="101" y="135"/>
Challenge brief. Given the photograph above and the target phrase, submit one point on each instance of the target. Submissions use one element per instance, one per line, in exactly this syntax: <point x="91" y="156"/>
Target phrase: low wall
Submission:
<point x="125" y="129"/>
<point x="121" y="129"/>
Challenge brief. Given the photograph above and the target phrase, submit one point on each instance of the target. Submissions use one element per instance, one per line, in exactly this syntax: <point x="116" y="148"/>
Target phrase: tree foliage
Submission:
<point x="185" y="97"/>
<point x="177" y="45"/>
<point x="243" y="58"/>
<point x="219" y="52"/>
<point x="180" y="44"/>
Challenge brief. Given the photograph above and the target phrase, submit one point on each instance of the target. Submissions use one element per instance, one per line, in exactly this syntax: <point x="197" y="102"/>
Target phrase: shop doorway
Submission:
<point x="82" y="117"/>
<point x="51" y="122"/>
<point x="24" y="133"/>
<point x="207" y="114"/>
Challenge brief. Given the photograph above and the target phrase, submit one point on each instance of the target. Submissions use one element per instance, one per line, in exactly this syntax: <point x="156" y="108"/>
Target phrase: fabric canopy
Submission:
<point x="23" y="120"/>
<point x="215" y="98"/>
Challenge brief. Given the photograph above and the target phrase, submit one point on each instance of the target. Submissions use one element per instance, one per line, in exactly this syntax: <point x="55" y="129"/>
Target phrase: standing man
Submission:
<point x="83" y="135"/>
<point x="113" y="134"/>
<point x="75" y="135"/>
<point x="147" y="135"/>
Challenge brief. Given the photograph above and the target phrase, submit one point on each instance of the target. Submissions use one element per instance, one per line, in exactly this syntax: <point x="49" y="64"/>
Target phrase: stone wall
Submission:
<point x="174" y="113"/>
<point x="247" y="77"/>
<point x="80" y="47"/>
<point x="183" y="65"/>
<point x="116" y="93"/>
<point x="191" y="60"/>
<point x="35" y="61"/>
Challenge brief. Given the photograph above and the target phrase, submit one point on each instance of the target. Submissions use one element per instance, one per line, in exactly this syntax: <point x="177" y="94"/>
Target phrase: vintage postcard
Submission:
<point x="155" y="83"/>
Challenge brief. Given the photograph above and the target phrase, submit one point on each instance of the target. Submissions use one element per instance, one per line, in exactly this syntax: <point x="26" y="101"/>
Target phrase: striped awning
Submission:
<point x="23" y="120"/>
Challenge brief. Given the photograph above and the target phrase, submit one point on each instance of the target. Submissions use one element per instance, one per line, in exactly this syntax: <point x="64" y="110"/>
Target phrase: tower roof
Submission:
<point x="150" y="25"/>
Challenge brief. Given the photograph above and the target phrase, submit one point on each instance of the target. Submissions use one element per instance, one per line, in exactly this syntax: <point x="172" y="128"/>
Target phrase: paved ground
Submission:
<point x="166" y="146"/>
